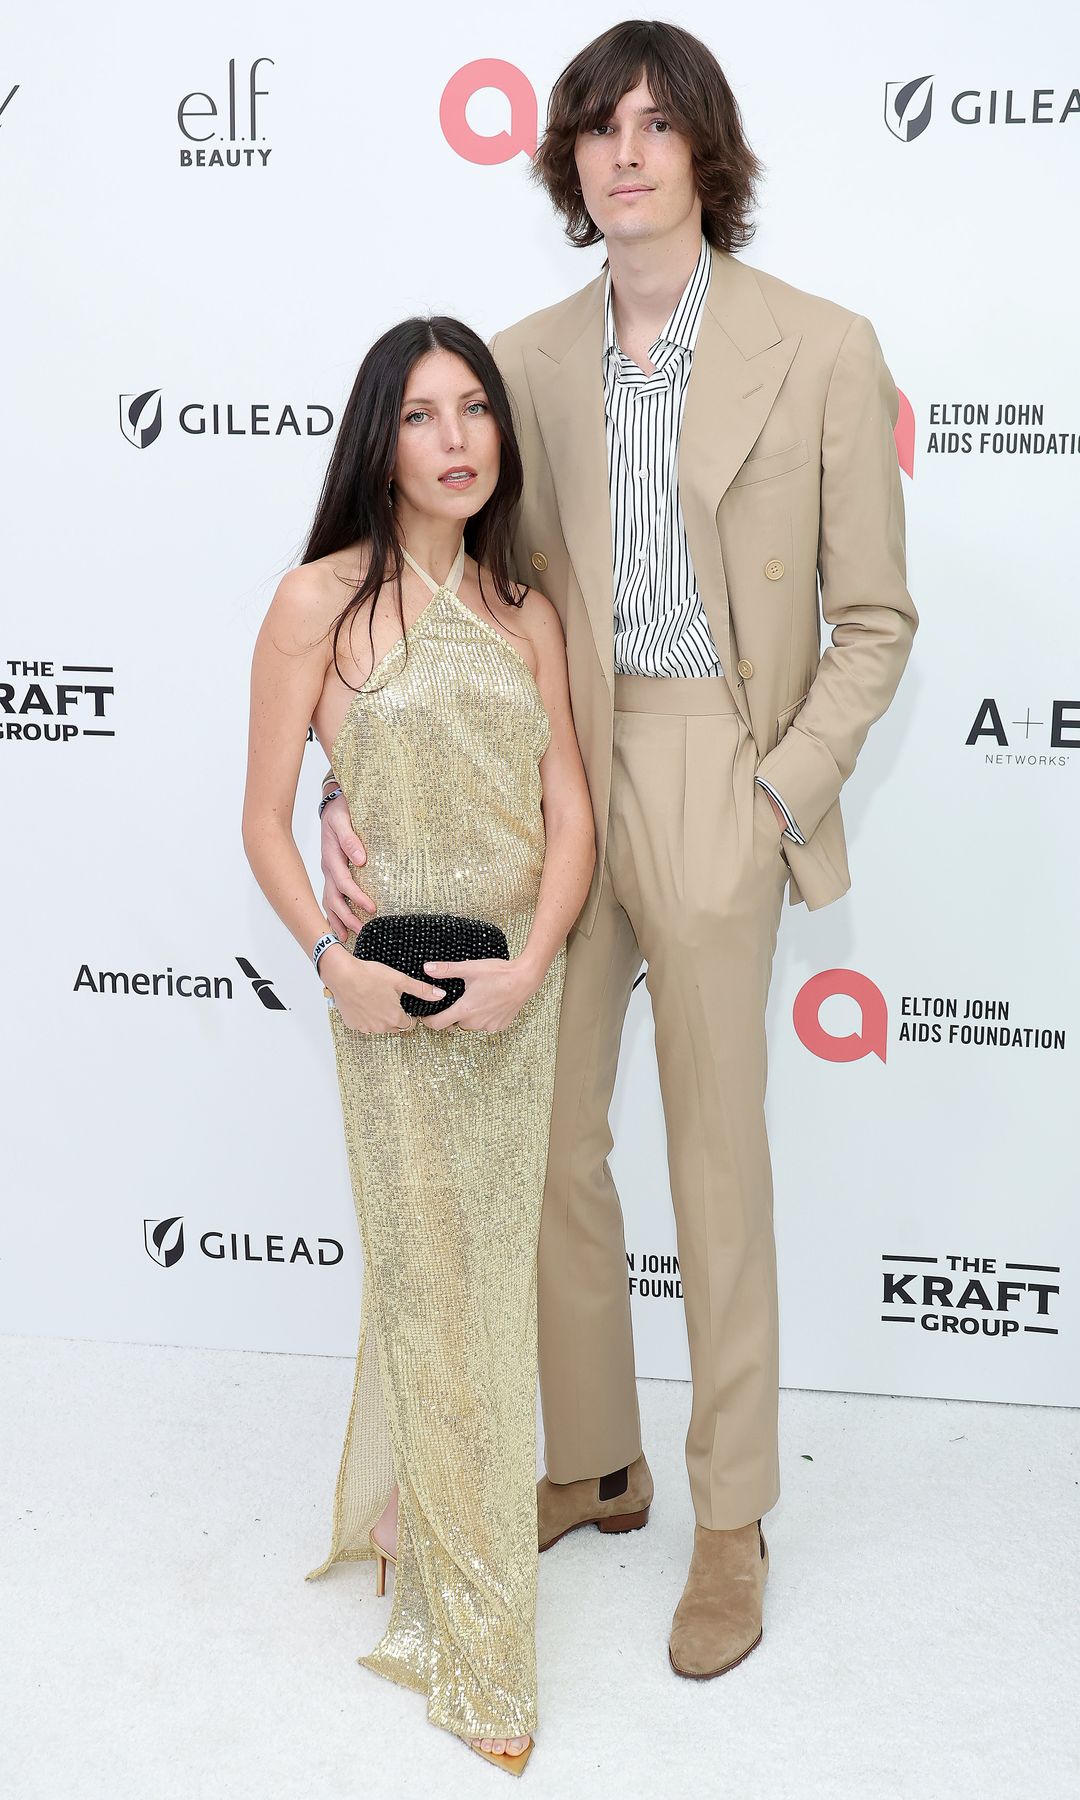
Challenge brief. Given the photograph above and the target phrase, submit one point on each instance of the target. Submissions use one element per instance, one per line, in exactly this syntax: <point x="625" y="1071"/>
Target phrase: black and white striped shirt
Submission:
<point x="661" y="626"/>
<point x="660" y="623"/>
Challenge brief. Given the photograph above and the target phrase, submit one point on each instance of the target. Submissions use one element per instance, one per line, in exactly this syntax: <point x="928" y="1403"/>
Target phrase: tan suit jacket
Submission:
<point x="787" y="473"/>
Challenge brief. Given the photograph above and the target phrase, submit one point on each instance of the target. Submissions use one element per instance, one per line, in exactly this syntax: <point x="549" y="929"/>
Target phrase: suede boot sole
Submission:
<point x="711" y="1674"/>
<point x="620" y="1522"/>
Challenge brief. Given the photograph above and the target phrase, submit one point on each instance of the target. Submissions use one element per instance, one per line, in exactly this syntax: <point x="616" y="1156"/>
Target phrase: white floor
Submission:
<point x="161" y="1507"/>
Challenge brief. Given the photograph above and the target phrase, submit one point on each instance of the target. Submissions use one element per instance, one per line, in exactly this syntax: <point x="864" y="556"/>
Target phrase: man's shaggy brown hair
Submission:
<point x="689" y="86"/>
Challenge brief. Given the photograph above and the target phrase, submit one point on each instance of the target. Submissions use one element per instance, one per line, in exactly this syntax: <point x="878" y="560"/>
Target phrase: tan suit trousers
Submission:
<point x="693" y="884"/>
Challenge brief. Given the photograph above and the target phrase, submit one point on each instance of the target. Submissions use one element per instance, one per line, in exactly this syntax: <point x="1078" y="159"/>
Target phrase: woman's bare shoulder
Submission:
<point x="539" y="619"/>
<point x="309" y="598"/>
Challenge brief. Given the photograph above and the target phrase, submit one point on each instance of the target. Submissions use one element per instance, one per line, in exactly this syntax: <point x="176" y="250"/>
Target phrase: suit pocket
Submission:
<point x="763" y="468"/>
<point x="783" y="720"/>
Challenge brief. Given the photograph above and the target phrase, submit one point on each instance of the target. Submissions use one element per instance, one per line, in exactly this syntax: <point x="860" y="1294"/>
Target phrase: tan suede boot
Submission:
<point x="718" y="1620"/>
<point x="618" y="1502"/>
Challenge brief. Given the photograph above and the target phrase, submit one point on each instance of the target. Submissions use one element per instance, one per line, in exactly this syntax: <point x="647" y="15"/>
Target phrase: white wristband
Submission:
<point x="324" y="943"/>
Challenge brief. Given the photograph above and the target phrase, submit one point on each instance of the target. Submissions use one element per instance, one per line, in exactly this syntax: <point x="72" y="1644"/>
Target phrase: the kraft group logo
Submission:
<point x="957" y="1296"/>
<point x="955" y="1021"/>
<point x="487" y="149"/>
<point x="141" y="418"/>
<point x="41" y="704"/>
<point x="908" y="105"/>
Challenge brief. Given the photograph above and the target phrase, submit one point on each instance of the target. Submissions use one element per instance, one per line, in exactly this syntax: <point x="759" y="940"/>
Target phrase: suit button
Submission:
<point x="538" y="560"/>
<point x="746" y="669"/>
<point x="774" y="568"/>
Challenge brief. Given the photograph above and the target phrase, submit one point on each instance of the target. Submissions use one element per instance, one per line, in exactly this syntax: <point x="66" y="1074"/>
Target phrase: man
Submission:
<point x="702" y="445"/>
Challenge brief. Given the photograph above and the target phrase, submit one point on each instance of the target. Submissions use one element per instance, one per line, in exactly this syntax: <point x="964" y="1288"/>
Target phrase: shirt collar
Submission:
<point x="681" y="330"/>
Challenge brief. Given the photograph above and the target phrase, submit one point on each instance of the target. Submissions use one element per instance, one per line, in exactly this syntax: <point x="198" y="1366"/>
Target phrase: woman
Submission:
<point x="441" y="701"/>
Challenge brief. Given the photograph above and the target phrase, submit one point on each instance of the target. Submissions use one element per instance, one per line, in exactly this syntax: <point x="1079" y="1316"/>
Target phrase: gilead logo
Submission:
<point x="489" y="72"/>
<point x="871" y="1040"/>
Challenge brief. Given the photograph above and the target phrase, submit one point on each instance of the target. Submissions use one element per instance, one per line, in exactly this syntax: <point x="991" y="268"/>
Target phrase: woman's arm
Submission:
<point x="288" y="670"/>
<point x="570" y="854"/>
<point x="496" y="991"/>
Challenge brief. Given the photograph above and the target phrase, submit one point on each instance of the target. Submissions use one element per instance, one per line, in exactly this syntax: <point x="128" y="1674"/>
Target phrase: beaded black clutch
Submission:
<point x="406" y="941"/>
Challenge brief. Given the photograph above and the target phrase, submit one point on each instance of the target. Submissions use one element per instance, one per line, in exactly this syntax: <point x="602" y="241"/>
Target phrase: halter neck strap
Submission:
<point x="452" y="580"/>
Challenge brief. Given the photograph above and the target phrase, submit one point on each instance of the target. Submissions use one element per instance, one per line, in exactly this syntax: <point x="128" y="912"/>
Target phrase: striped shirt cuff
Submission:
<point x="791" y="830"/>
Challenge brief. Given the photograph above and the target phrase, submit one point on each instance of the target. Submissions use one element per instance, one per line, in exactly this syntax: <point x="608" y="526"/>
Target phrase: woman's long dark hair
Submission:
<point x="355" y="502"/>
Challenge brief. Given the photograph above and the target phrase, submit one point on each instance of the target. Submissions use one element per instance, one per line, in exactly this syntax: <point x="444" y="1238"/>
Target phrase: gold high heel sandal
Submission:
<point x="512" y="1764"/>
<point x="382" y="1557"/>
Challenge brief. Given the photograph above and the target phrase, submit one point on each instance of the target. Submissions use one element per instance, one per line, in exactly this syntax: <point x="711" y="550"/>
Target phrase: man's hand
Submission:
<point x="340" y="846"/>
<point x="495" y="992"/>
<point x="780" y="819"/>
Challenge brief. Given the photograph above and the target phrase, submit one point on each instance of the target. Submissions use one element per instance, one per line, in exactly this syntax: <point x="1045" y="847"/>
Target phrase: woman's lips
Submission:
<point x="457" y="481"/>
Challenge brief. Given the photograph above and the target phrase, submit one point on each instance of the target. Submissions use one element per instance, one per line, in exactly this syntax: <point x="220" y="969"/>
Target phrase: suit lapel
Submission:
<point x="740" y="361"/>
<point x="566" y="380"/>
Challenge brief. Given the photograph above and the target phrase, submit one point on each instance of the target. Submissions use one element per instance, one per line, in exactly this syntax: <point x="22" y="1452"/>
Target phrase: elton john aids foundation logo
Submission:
<point x="489" y="148"/>
<point x="953" y="1022"/>
<point x="869" y="1040"/>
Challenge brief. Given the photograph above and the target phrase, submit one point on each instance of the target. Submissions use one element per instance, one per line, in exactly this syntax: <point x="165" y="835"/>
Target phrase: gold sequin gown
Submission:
<point x="447" y="1143"/>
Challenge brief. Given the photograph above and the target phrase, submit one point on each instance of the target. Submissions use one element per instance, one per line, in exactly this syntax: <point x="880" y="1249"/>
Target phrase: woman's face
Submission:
<point x="446" y="425"/>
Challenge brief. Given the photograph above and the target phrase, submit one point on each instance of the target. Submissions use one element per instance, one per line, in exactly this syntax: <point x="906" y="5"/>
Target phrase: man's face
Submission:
<point x="635" y="171"/>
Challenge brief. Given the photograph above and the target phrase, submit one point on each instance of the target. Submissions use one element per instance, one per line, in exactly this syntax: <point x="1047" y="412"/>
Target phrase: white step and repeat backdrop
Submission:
<point x="207" y="218"/>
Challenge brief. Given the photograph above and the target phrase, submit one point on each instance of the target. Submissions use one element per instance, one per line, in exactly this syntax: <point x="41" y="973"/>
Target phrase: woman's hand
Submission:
<point x="495" y="992"/>
<point x="368" y="994"/>
<point x="342" y="896"/>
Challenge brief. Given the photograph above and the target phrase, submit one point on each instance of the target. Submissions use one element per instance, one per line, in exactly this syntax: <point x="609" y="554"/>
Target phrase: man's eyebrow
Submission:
<point x="426" y="400"/>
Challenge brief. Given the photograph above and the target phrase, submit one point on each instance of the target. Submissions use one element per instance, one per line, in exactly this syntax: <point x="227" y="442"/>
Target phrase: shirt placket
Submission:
<point x="654" y="507"/>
